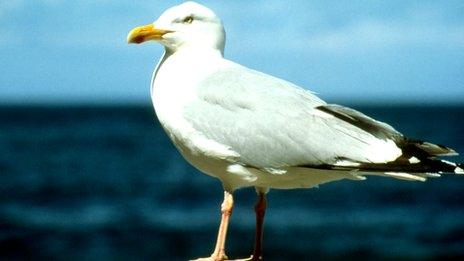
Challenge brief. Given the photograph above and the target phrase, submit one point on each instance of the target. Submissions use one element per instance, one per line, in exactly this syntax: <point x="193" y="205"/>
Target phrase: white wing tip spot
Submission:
<point x="405" y="176"/>
<point x="459" y="170"/>
<point x="450" y="163"/>
<point x="432" y="175"/>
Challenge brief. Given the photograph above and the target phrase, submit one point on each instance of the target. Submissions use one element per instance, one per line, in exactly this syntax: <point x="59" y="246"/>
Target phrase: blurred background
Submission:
<point x="86" y="171"/>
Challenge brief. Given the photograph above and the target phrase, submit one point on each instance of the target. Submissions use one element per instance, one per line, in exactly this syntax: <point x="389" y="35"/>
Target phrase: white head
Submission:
<point x="186" y="25"/>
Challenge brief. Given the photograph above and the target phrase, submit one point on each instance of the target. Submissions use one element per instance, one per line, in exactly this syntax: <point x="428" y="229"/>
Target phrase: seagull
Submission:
<point x="250" y="129"/>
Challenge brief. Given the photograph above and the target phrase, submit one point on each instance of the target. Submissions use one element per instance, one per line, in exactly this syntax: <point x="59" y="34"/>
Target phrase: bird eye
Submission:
<point x="188" y="20"/>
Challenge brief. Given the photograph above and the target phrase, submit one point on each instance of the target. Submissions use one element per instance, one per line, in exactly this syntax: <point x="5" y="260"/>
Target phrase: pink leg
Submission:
<point x="260" y="210"/>
<point x="226" y="209"/>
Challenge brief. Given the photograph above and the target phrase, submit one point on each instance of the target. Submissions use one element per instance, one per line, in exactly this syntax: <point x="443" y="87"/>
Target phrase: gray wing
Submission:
<point x="272" y="123"/>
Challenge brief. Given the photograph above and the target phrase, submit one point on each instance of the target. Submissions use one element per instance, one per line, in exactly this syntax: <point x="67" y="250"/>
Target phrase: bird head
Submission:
<point x="186" y="25"/>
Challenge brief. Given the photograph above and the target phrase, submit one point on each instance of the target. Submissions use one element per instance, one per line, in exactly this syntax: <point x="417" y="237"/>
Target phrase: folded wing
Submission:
<point x="272" y="123"/>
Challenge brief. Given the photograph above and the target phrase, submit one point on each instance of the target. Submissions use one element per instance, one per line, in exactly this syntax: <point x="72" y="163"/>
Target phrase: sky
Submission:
<point x="59" y="51"/>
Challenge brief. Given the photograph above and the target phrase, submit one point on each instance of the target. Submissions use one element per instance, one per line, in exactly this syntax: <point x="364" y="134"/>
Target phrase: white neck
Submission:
<point x="178" y="74"/>
<point x="196" y="58"/>
<point x="195" y="51"/>
<point x="176" y="79"/>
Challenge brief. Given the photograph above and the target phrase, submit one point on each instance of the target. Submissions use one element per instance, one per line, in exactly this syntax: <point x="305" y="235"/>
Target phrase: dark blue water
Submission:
<point x="104" y="183"/>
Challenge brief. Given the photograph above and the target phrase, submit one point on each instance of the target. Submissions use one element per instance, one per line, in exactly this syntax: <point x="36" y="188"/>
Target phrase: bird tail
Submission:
<point x="418" y="162"/>
<point x="423" y="162"/>
<point x="430" y="168"/>
<point x="444" y="166"/>
<point x="427" y="154"/>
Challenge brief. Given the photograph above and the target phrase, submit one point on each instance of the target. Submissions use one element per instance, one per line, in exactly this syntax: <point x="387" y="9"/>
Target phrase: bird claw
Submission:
<point x="205" y="259"/>
<point x="244" y="259"/>
<point x="224" y="258"/>
<point x="212" y="258"/>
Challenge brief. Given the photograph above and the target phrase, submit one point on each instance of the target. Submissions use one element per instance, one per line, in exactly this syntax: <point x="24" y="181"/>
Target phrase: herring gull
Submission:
<point x="250" y="129"/>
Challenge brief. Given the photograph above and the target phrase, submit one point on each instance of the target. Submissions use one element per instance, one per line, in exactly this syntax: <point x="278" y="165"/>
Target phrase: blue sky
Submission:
<point x="346" y="51"/>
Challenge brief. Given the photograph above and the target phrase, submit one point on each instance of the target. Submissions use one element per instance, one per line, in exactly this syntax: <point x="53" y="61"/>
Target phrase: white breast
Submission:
<point x="173" y="88"/>
<point x="174" y="84"/>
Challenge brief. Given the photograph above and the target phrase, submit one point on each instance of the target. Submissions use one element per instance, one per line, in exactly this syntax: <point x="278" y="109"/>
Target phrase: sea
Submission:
<point x="103" y="182"/>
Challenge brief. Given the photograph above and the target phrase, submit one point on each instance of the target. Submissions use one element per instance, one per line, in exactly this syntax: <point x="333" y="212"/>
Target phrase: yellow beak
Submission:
<point x="145" y="33"/>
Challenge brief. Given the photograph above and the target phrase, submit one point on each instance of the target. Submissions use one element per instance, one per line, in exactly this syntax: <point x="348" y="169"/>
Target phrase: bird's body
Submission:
<point x="249" y="129"/>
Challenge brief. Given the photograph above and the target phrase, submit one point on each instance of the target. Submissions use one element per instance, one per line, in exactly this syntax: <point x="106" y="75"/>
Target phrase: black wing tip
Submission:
<point x="424" y="150"/>
<point x="428" y="165"/>
<point x="444" y="150"/>
<point x="417" y="156"/>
